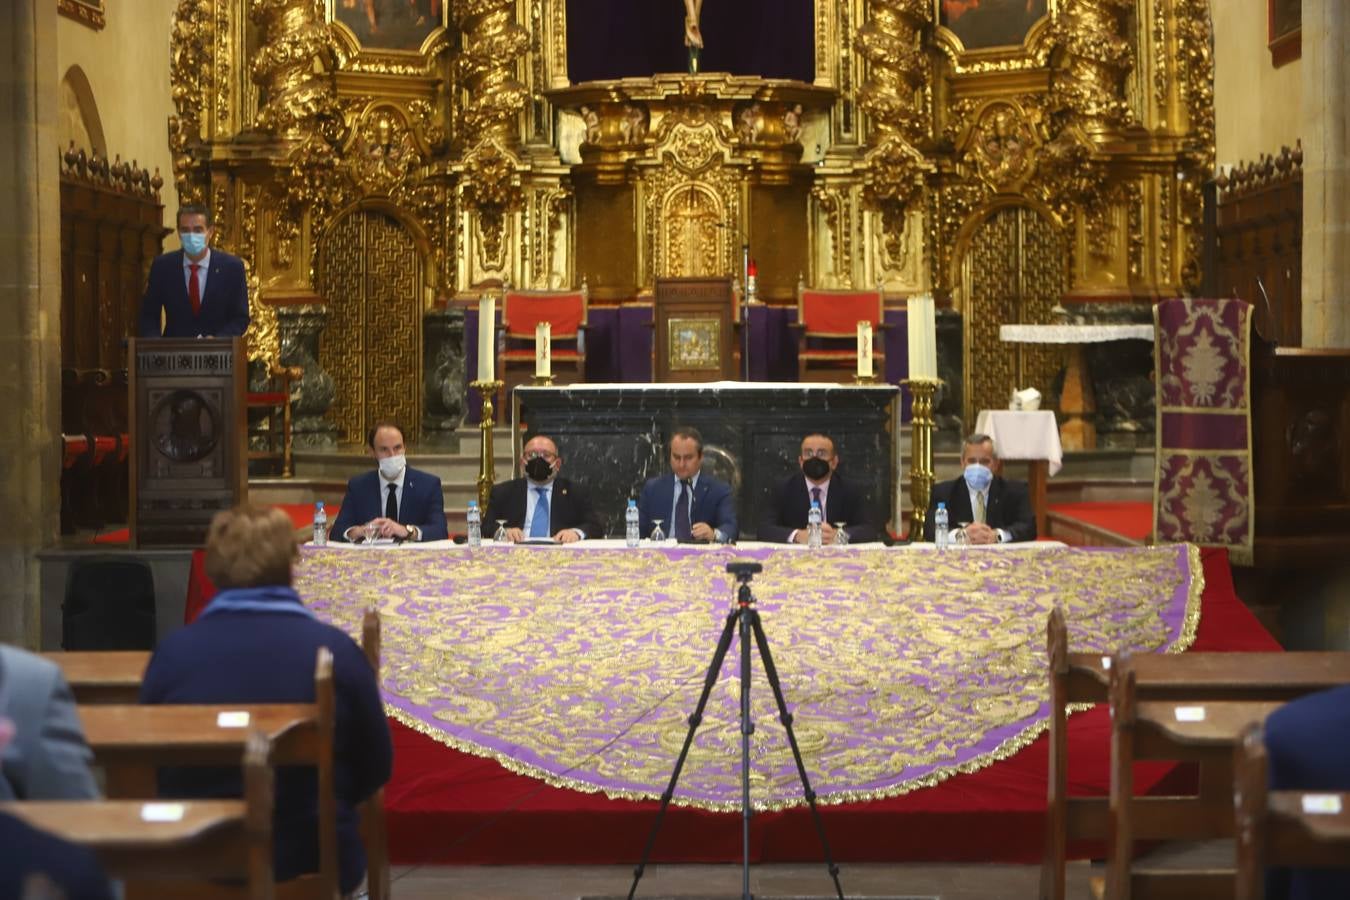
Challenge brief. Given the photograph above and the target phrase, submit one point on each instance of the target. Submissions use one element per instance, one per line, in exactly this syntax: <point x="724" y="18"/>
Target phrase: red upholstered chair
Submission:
<point x="565" y="311"/>
<point x="827" y="324"/>
<point x="269" y="416"/>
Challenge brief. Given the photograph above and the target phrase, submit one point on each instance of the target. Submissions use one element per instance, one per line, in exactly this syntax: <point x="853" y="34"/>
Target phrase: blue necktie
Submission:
<point x="539" y="524"/>
<point x="682" y="529"/>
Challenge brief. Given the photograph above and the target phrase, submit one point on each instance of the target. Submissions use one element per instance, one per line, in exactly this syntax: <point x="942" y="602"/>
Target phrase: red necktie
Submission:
<point x="194" y="289"/>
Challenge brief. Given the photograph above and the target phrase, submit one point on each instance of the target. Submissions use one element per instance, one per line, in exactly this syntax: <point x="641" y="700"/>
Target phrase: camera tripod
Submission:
<point x="745" y="619"/>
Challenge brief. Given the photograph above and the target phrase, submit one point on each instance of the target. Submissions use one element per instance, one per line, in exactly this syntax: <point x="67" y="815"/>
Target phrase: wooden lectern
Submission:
<point x="188" y="424"/>
<point x="695" y="330"/>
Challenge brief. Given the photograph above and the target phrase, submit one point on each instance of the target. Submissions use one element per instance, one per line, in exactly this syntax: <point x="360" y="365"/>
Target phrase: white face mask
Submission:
<point x="392" y="466"/>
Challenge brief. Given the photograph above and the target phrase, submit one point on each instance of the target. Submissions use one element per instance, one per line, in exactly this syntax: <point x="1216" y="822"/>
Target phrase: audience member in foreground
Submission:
<point x="47" y="759"/>
<point x="256" y="642"/>
<point x="1308" y="749"/>
<point x="36" y="864"/>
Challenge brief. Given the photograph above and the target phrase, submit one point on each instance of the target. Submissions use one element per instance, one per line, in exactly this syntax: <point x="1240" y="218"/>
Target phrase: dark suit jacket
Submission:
<point x="569" y="507"/>
<point x="713" y="504"/>
<point x="48" y="758"/>
<point x="1009" y="507"/>
<point x="224" y="311"/>
<point x="423" y="504"/>
<point x="267" y="657"/>
<point x="72" y="868"/>
<point x="1306" y="742"/>
<point x="790" y="504"/>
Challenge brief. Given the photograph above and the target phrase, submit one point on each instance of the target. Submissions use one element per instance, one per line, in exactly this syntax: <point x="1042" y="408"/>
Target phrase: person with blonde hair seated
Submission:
<point x="256" y="642"/>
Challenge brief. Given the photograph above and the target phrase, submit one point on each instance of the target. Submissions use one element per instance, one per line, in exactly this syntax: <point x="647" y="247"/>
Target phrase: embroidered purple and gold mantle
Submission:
<point x="1202" y="488"/>
<point x="580" y="667"/>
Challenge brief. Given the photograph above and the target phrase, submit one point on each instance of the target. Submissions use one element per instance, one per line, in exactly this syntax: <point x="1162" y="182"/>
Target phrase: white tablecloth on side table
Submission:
<point x="1023" y="435"/>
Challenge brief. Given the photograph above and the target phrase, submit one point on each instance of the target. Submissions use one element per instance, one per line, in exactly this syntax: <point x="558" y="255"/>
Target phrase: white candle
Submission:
<point x="864" y="349"/>
<point x="543" y="350"/>
<point x="921" y="320"/>
<point x="487" y="338"/>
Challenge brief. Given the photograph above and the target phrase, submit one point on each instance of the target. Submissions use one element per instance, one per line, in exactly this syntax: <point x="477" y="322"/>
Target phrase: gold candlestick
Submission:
<point x="922" y="391"/>
<point x="487" y="470"/>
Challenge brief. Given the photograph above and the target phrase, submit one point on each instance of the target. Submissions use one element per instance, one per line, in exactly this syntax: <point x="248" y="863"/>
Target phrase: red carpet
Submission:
<point x="449" y="807"/>
<point x="1133" y="520"/>
<point x="302" y="514"/>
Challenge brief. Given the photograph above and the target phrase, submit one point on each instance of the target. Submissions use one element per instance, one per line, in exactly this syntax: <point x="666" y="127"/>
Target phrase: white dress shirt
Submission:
<point x="532" y="500"/>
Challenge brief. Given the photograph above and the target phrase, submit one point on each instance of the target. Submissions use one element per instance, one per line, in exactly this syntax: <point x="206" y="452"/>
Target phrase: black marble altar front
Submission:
<point x="613" y="437"/>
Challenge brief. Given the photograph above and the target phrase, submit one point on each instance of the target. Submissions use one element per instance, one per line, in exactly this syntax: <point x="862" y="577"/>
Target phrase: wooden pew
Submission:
<point x="103" y="676"/>
<point x="222" y="839"/>
<point x="133" y="742"/>
<point x="1281" y="828"/>
<point x="1084" y="678"/>
<point x="374" y="828"/>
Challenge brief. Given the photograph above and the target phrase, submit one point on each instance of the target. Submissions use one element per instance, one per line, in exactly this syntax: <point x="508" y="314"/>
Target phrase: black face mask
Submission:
<point x="815" y="468"/>
<point x="538" y="469"/>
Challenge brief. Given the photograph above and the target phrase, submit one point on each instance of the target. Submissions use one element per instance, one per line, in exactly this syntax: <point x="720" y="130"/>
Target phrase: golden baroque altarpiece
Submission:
<point x="372" y="187"/>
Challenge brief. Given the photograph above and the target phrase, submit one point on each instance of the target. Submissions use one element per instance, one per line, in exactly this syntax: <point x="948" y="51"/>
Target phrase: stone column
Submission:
<point x="300" y="328"/>
<point x="30" y="311"/>
<point x="1326" y="173"/>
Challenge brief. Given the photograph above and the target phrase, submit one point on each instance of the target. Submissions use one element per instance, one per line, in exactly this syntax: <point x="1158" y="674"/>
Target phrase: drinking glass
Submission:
<point x="657" y="534"/>
<point x="840" y="535"/>
<point x="499" y="536"/>
<point x="959" y="538"/>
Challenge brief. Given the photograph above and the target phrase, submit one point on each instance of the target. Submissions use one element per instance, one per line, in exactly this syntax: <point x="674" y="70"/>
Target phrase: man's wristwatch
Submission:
<point x="414" y="533"/>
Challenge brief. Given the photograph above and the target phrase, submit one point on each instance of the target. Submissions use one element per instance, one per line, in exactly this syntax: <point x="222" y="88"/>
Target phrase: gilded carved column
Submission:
<point x="895" y="100"/>
<point x="492" y="45"/>
<point x="1099" y="58"/>
<point x="291" y="67"/>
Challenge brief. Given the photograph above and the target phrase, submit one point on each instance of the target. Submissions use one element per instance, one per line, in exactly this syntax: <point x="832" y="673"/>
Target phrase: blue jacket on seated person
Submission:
<point x="259" y="645"/>
<point x="713" y="504"/>
<point x="1306" y="741"/>
<point x="423" y="503"/>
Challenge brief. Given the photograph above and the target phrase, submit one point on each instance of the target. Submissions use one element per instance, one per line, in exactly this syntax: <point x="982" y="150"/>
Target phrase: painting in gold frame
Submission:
<point x="385" y="25"/>
<point x="86" y="12"/>
<point x="990" y="24"/>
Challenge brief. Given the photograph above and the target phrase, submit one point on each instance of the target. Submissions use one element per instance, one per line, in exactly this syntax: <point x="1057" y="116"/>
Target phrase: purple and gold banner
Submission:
<point x="1203" y="489"/>
<point x="581" y="666"/>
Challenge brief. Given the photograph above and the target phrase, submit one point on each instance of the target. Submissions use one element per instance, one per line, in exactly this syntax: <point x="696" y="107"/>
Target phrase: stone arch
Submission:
<point x="80" y="121"/>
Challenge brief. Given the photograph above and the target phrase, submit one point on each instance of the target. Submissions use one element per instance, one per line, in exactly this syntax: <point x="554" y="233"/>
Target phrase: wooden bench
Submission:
<point x="115" y="677"/>
<point x="1282" y="828"/>
<point x="156" y="854"/>
<point x="133" y="742"/>
<point x="1084" y="678"/>
<point x="103" y="676"/>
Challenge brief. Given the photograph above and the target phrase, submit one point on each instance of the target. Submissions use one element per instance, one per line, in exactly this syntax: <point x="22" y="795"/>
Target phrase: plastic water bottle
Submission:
<point x="475" y="521"/>
<point x="320" y="525"/>
<point x="630" y="520"/>
<point x="813" y="526"/>
<point x="940" y="528"/>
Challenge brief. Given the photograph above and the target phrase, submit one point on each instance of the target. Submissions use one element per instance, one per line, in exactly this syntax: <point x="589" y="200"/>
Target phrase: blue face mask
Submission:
<point x="194" y="243"/>
<point x="978" y="477"/>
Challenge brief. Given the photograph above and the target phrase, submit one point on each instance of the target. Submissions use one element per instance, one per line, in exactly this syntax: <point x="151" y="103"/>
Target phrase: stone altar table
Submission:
<point x="613" y="436"/>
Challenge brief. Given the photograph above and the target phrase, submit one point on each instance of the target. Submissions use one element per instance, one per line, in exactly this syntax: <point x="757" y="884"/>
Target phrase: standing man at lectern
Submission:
<point x="692" y="506"/>
<point x="199" y="291"/>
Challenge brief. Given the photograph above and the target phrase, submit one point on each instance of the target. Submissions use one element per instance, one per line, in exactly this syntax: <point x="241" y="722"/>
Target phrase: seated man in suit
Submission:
<point x="1305" y="746"/>
<point x="46" y="757"/>
<point x="711" y="513"/>
<point x="989" y="508"/>
<point x="543" y="504"/>
<point x="784" y="520"/>
<point x="201" y="292"/>
<point x="393" y="501"/>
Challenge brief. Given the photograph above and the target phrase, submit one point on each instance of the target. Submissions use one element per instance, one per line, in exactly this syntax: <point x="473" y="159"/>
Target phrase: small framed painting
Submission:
<point x="1285" y="30"/>
<point x="86" y="12"/>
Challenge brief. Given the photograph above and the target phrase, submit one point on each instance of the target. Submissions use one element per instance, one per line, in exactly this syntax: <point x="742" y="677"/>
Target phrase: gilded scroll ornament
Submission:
<point x="190" y="67"/>
<point x="1099" y="58"/>
<point x="291" y="66"/>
